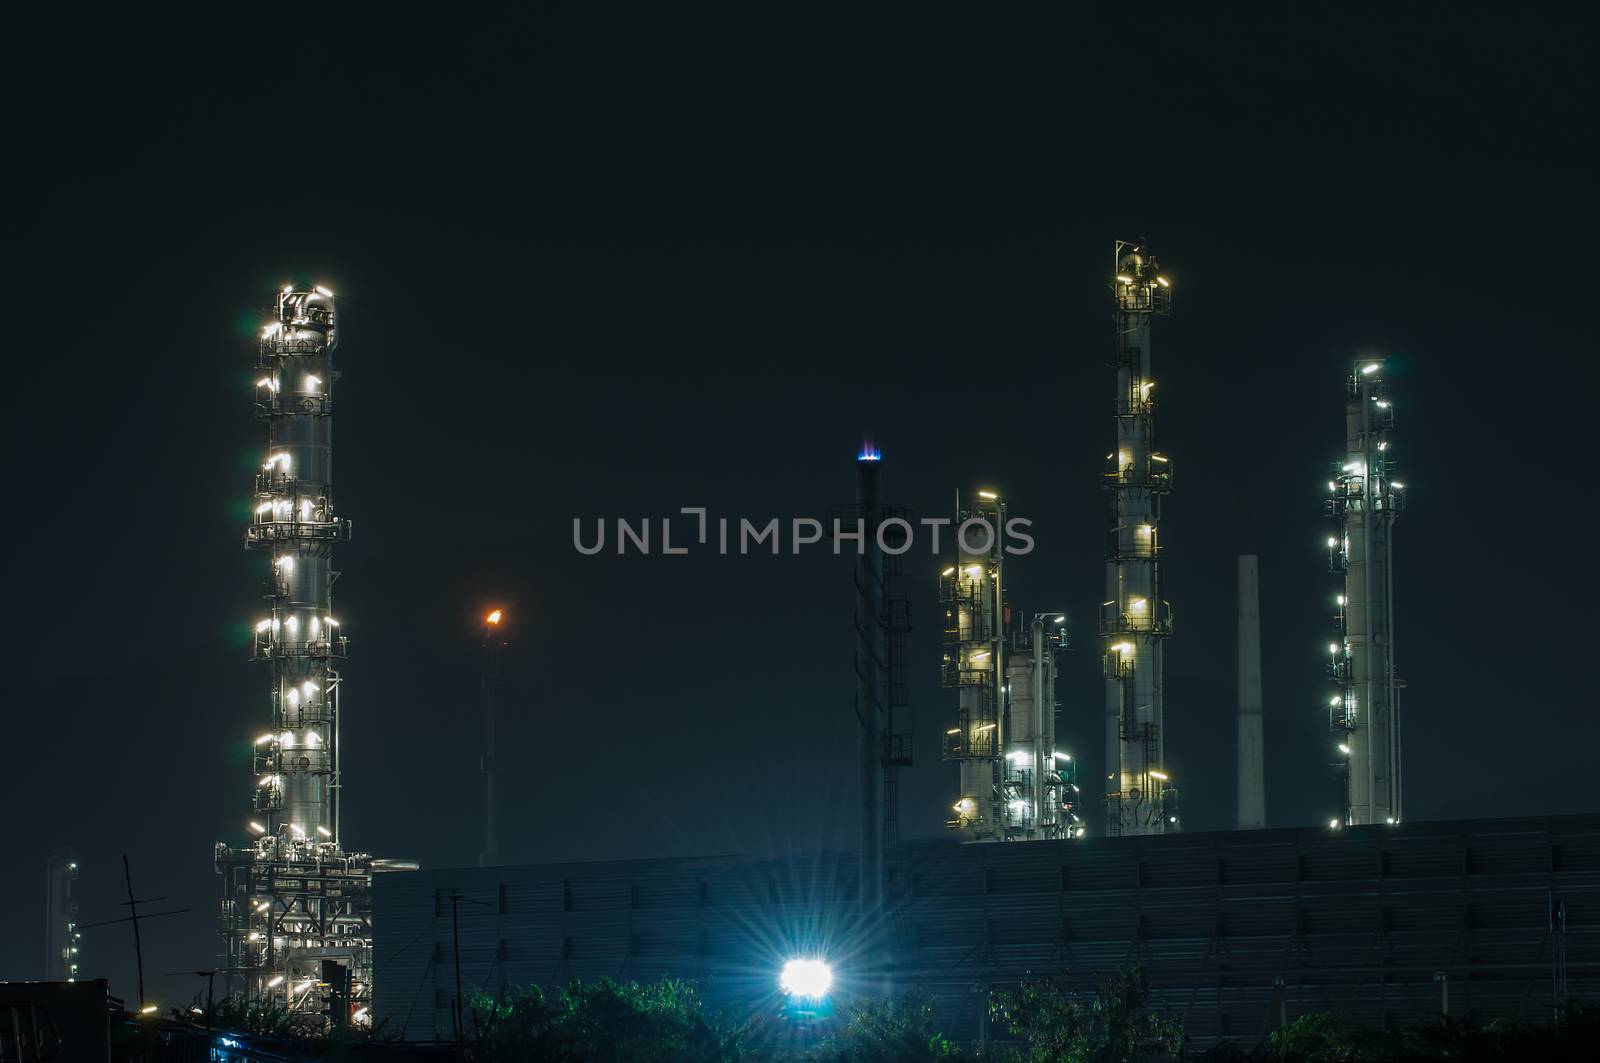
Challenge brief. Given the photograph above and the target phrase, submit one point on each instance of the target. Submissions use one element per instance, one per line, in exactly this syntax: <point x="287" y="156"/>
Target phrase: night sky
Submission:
<point x="612" y="270"/>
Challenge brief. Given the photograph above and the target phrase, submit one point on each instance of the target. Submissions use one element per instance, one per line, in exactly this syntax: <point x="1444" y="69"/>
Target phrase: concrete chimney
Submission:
<point x="1252" y="782"/>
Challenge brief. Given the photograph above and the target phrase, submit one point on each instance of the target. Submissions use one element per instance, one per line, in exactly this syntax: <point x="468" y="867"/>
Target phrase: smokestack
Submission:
<point x="871" y="677"/>
<point x="1252" y="786"/>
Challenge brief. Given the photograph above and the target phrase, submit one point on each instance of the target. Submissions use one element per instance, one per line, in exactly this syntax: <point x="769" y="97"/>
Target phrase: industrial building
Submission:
<point x="1237" y="931"/>
<point x="296" y="908"/>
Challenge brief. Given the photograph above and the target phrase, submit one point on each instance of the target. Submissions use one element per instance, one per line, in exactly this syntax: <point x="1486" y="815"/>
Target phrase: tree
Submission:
<point x="904" y="1029"/>
<point x="1115" y="1026"/>
<point x="602" y="1020"/>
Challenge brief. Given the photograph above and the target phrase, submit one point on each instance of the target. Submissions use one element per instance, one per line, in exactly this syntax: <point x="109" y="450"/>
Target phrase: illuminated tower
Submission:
<point x="1134" y="619"/>
<point x="972" y="597"/>
<point x="296" y="912"/>
<point x="1365" y="499"/>
<point x="62" y="937"/>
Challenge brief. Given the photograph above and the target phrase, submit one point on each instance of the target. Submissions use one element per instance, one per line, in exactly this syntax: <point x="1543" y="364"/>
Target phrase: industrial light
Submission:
<point x="263" y="625"/>
<point x="1332" y="541"/>
<point x="1061" y="620"/>
<point x="287" y="288"/>
<point x="270" y="330"/>
<point x="974" y="570"/>
<point x="361" y="1014"/>
<point x="1384" y="445"/>
<point x="1334" y="700"/>
<point x="149" y="1009"/>
<point x="1122" y="647"/>
<point x="1158" y="775"/>
<point x="1333" y="647"/>
<point x="1159" y="457"/>
<point x="1344" y="749"/>
<point x="303" y="986"/>
<point x="1163" y="282"/>
<point x="807" y="979"/>
<point x="285" y="562"/>
<point x="1332" y="486"/>
<point x="953" y="731"/>
<point x="1369" y="369"/>
<point x="308" y="687"/>
<point x="312" y="382"/>
<point x="330" y="621"/>
<point x="258" y="828"/>
<point x="276" y="981"/>
<point x="263" y="507"/>
<point x="1123" y="278"/>
<point x="985" y="727"/>
<point x="987" y="494"/>
<point x="1080" y="832"/>
<point x="298" y="829"/>
<point x="264" y="739"/>
<point x="1397" y="485"/>
<point x="323" y="291"/>
<point x="1383" y="404"/>
<point x="1341" y="599"/>
<point x="324" y="831"/>
<point x="263" y="906"/>
<point x="951" y="571"/>
<point x="1333" y="824"/>
<point x="980" y="656"/>
<point x="1062" y="756"/>
<point x="493" y="617"/>
<point x="1137" y="604"/>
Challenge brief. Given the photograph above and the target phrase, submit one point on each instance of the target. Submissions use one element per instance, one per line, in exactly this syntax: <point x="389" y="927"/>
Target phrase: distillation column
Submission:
<point x="972" y="595"/>
<point x="1365" y="499"/>
<point x="297" y="780"/>
<point x="1135" y="620"/>
<point x="1039" y="792"/>
<point x="296" y="910"/>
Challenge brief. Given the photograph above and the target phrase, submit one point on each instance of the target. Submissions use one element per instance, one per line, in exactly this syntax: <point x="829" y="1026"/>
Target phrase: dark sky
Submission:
<point x="611" y="270"/>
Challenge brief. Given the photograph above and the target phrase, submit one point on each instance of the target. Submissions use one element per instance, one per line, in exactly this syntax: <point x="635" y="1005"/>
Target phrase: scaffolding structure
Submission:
<point x="1364" y="502"/>
<point x="972" y="596"/>
<point x="296" y="916"/>
<point x="1135" y="619"/>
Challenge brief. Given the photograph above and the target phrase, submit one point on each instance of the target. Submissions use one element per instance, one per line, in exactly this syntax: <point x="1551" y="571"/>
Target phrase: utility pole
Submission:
<point x="455" y="937"/>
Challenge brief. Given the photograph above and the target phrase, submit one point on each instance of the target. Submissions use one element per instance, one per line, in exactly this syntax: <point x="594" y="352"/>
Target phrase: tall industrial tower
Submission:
<point x="972" y="595"/>
<point x="61" y="933"/>
<point x="883" y="623"/>
<point x="1364" y="500"/>
<point x="1135" y="620"/>
<point x="296" y="908"/>
<point x="1015" y="784"/>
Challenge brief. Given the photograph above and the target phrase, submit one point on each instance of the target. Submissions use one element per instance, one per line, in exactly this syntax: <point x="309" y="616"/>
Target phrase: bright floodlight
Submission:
<point x="806" y="978"/>
<point x="493" y="617"/>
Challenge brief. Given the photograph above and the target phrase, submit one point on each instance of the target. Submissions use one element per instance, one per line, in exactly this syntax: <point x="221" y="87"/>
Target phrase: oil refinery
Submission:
<point x="298" y="916"/>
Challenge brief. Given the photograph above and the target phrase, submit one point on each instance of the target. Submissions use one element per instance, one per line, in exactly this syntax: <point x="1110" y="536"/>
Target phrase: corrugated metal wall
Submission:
<point x="1233" y="929"/>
